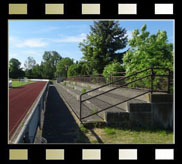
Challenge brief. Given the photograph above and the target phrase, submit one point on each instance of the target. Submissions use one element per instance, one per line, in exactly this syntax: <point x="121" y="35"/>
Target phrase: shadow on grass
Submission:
<point x="59" y="124"/>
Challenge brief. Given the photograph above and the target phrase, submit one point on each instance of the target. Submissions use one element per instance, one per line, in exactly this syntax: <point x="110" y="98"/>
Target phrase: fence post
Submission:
<point x="152" y="76"/>
<point x="169" y="74"/>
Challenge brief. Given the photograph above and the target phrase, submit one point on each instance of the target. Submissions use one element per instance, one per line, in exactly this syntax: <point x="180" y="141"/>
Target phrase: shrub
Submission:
<point x="74" y="70"/>
<point x="112" y="69"/>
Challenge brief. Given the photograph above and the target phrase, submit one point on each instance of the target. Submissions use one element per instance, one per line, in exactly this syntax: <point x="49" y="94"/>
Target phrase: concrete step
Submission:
<point x="110" y="98"/>
<point x="149" y="110"/>
<point x="73" y="104"/>
<point x="126" y="92"/>
<point x="96" y="104"/>
<point x="81" y="84"/>
<point x="161" y="98"/>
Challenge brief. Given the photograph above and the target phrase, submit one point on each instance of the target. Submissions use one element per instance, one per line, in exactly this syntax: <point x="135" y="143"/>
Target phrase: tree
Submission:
<point x="148" y="51"/>
<point x="50" y="60"/>
<point x="74" y="70"/>
<point x="62" y="66"/>
<point x="14" y="68"/>
<point x="102" y="45"/>
<point x="29" y="63"/>
<point x="37" y="72"/>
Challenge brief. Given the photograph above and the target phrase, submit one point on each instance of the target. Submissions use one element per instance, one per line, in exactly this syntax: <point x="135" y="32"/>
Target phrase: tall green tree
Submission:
<point x="28" y="65"/>
<point x="63" y="66"/>
<point x="103" y="44"/>
<point x="50" y="60"/>
<point x="148" y="51"/>
<point x="37" y="72"/>
<point x="15" y="70"/>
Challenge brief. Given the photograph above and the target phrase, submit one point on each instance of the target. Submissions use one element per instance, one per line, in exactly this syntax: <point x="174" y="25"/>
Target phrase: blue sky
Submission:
<point x="33" y="37"/>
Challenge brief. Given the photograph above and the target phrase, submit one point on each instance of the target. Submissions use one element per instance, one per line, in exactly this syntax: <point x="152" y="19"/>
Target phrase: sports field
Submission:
<point x="16" y="83"/>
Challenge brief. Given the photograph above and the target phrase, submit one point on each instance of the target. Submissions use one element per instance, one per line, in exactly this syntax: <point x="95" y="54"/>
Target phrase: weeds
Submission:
<point x="83" y="90"/>
<point x="83" y="129"/>
<point x="64" y="83"/>
<point x="109" y="131"/>
<point x="95" y="110"/>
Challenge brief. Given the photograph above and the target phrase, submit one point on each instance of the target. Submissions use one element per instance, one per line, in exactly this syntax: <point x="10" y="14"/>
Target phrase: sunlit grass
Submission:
<point x="16" y="84"/>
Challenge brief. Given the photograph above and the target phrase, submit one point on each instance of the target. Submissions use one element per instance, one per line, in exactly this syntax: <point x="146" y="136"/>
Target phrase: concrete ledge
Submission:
<point x="155" y="98"/>
<point x="117" y="118"/>
<point x="140" y="108"/>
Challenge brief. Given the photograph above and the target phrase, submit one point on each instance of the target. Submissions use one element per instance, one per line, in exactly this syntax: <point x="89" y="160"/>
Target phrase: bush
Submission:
<point x="74" y="70"/>
<point x="112" y="69"/>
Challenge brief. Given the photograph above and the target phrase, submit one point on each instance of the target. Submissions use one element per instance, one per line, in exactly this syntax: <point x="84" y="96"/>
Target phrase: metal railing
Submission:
<point x="99" y="78"/>
<point x="33" y="121"/>
<point x="150" y="73"/>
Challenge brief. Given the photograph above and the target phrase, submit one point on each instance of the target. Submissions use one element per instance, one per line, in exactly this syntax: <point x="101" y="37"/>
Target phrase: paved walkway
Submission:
<point x="59" y="124"/>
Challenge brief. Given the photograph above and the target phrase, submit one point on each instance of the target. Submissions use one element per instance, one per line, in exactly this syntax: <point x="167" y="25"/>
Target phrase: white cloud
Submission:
<point x="32" y="43"/>
<point x="73" y="39"/>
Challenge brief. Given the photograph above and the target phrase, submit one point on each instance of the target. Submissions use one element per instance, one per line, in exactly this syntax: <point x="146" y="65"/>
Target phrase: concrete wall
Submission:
<point x="162" y="115"/>
<point x="144" y="115"/>
<point x="152" y="115"/>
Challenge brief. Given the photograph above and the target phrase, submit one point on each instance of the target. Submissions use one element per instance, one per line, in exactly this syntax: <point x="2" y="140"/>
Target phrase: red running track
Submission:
<point x="20" y="101"/>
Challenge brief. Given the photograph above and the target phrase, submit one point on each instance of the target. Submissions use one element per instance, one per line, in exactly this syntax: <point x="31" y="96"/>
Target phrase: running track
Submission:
<point x="20" y="101"/>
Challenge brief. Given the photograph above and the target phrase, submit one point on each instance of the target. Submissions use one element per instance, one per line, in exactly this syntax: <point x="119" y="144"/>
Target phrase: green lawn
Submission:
<point x="128" y="136"/>
<point x="16" y="84"/>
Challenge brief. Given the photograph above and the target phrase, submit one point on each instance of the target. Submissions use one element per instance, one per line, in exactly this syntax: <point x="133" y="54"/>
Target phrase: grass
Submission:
<point x="127" y="136"/>
<point x="64" y="83"/>
<point x="83" y="129"/>
<point x="16" y="84"/>
<point x="89" y="87"/>
<point x="83" y="90"/>
<point x="95" y="110"/>
<point x="109" y="131"/>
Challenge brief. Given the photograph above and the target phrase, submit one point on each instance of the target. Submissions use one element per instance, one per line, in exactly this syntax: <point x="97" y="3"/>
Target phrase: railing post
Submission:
<point x="80" y="107"/>
<point x="169" y="74"/>
<point x="152" y="76"/>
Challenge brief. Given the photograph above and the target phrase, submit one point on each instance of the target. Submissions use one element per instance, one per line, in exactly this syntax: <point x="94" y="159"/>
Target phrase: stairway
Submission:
<point x="135" y="112"/>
